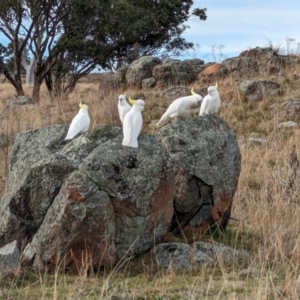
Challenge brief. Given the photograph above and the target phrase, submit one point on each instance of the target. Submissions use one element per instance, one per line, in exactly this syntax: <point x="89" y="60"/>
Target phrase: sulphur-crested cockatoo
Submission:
<point x="123" y="107"/>
<point x="80" y="122"/>
<point x="211" y="102"/>
<point x="133" y="123"/>
<point x="180" y="107"/>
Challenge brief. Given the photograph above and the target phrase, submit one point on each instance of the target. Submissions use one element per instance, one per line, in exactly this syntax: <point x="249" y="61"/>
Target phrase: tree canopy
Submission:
<point x="57" y="39"/>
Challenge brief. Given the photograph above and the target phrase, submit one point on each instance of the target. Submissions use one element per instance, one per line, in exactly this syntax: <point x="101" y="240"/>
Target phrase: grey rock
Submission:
<point x="207" y="164"/>
<point x="255" y="141"/>
<point x="148" y="83"/>
<point x="87" y="196"/>
<point x="287" y="124"/>
<point x="252" y="90"/>
<point x="292" y="107"/>
<point x="19" y="101"/>
<point x="139" y="70"/>
<point x="174" y="92"/>
<point x="175" y="72"/>
<point x="241" y="66"/>
<point x="270" y="62"/>
<point x="140" y="184"/>
<point x="220" y="252"/>
<point x="180" y="256"/>
<point x="173" y="255"/>
<point x="9" y="260"/>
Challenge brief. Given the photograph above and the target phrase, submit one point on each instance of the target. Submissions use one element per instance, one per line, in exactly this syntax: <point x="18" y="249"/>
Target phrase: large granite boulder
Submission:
<point x="207" y="163"/>
<point x="176" y="72"/>
<point x="241" y="66"/>
<point x="86" y="202"/>
<point x="271" y="62"/>
<point x="139" y="70"/>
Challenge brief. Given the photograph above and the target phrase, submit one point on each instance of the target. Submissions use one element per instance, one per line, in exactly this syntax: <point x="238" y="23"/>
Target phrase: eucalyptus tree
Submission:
<point x="64" y="40"/>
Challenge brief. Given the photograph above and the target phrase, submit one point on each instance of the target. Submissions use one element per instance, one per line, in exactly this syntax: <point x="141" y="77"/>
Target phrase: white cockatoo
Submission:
<point x="180" y="107"/>
<point x="80" y="122"/>
<point x="211" y="102"/>
<point x="133" y="123"/>
<point x="123" y="107"/>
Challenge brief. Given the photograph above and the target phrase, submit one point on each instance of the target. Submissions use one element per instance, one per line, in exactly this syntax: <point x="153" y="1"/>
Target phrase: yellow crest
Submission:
<point x="131" y="100"/>
<point x="216" y="85"/>
<point x="192" y="91"/>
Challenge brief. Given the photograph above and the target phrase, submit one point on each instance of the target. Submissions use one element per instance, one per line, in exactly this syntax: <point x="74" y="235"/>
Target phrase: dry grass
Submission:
<point x="265" y="217"/>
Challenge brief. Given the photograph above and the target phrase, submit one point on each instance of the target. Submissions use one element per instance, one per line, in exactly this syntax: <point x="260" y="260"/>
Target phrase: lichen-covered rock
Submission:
<point x="19" y="101"/>
<point x="241" y="66"/>
<point x="175" y="72"/>
<point x="78" y="229"/>
<point x="213" y="73"/>
<point x="90" y="196"/>
<point x="139" y="70"/>
<point x="184" y="256"/>
<point x="207" y="164"/>
<point x="270" y="62"/>
<point x="148" y="83"/>
<point x="9" y="260"/>
<point x="140" y="184"/>
<point x="256" y="90"/>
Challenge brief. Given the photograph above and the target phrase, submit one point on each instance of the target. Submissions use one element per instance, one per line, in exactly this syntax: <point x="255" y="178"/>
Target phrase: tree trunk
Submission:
<point x="30" y="72"/>
<point x="17" y="84"/>
<point x="36" y="89"/>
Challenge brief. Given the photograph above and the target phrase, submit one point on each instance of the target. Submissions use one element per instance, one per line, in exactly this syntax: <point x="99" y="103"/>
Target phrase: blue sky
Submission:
<point x="233" y="26"/>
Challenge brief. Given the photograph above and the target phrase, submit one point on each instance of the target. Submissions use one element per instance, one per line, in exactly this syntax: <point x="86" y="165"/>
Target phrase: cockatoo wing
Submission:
<point x="171" y="112"/>
<point x="123" y="110"/>
<point x="204" y="105"/>
<point x="80" y="123"/>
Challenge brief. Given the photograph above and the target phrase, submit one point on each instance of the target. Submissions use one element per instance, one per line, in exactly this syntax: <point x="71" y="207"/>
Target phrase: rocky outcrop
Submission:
<point x="241" y="66"/>
<point x="175" y="72"/>
<point x="256" y="90"/>
<point x="270" y="62"/>
<point x="213" y="73"/>
<point x="139" y="70"/>
<point x="207" y="163"/>
<point x="89" y="200"/>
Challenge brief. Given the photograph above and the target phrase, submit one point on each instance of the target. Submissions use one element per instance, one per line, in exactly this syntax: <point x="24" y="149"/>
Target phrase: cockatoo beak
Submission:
<point x="132" y="101"/>
<point x="216" y="85"/>
<point x="192" y="91"/>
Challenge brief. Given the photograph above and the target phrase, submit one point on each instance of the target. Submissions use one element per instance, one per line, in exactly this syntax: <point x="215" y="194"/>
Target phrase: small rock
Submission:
<point x="148" y="83"/>
<point x="287" y="124"/>
<point x="218" y="251"/>
<point x="292" y="107"/>
<point x="19" y="101"/>
<point x="255" y="90"/>
<point x="255" y="141"/>
<point x="9" y="259"/>
<point x="175" y="92"/>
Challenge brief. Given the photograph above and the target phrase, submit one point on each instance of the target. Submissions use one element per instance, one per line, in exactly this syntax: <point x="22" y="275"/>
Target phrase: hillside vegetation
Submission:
<point x="265" y="216"/>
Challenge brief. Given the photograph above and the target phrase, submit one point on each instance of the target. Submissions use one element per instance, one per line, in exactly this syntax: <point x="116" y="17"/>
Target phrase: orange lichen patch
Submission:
<point x="223" y="206"/>
<point x="214" y="69"/>
<point x="163" y="196"/>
